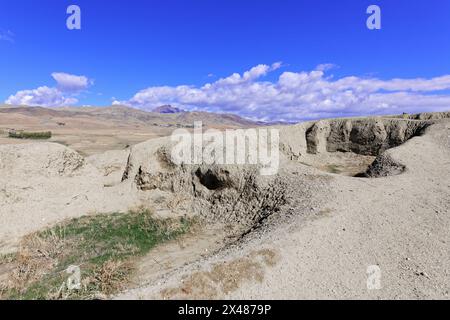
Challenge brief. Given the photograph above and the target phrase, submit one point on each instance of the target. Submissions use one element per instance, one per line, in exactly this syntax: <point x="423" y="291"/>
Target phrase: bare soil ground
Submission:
<point x="309" y="232"/>
<point x="343" y="163"/>
<point x="322" y="247"/>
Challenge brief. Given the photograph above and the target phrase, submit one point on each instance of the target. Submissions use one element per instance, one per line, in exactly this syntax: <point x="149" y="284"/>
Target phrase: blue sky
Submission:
<point x="143" y="53"/>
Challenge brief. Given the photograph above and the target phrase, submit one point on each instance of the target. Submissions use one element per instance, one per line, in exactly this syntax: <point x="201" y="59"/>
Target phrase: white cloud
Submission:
<point x="70" y="82"/>
<point x="301" y="95"/>
<point x="68" y="87"/>
<point x="42" y="96"/>
<point x="6" y="36"/>
<point x="326" y="66"/>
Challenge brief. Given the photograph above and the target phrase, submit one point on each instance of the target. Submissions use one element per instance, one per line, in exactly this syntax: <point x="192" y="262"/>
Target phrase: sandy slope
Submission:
<point x="399" y="223"/>
<point x="44" y="183"/>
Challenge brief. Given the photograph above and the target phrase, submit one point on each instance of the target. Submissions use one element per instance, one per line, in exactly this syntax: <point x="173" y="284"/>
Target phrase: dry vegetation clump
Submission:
<point x="36" y="257"/>
<point x="224" y="278"/>
<point x="30" y="135"/>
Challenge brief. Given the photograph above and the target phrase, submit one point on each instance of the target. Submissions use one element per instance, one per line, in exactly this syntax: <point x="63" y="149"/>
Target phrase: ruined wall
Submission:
<point x="362" y="136"/>
<point x="231" y="194"/>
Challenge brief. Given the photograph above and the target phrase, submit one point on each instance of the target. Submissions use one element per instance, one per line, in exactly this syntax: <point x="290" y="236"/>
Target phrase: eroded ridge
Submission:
<point x="341" y="145"/>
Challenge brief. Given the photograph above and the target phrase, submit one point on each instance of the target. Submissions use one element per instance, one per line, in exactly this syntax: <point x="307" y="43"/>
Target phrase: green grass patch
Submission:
<point x="104" y="247"/>
<point x="30" y="135"/>
<point x="7" y="258"/>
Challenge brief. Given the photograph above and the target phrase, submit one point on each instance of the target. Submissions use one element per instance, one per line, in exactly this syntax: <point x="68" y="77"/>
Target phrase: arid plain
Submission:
<point x="351" y="195"/>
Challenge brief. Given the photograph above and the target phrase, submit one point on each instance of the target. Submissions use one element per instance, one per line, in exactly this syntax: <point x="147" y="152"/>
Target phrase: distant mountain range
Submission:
<point x="168" y="109"/>
<point x="164" y="116"/>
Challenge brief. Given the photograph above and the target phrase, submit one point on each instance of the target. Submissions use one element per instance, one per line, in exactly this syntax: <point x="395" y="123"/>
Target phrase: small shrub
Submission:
<point x="30" y="135"/>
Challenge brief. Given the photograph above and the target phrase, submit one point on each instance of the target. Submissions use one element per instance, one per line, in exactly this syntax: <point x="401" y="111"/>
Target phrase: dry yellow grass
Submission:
<point x="224" y="278"/>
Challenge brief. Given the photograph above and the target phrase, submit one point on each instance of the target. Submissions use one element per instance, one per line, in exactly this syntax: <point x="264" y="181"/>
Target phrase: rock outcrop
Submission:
<point x="370" y="136"/>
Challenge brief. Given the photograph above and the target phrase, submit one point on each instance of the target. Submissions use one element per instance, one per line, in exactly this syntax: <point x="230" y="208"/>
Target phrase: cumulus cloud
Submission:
<point x="296" y="96"/>
<point x="67" y="88"/>
<point x="42" y="96"/>
<point x="69" y="82"/>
